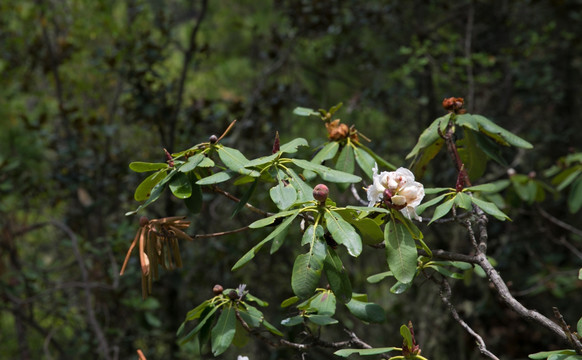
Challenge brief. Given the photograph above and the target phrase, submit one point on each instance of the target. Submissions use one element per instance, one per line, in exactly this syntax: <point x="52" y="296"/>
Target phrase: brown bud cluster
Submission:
<point x="336" y="130"/>
<point x="455" y="105"/>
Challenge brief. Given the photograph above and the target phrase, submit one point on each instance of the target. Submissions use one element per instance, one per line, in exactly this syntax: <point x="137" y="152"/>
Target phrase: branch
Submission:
<point x="357" y="196"/>
<point x="571" y="337"/>
<point x="216" y="189"/>
<point x="446" y="298"/>
<point x="222" y="233"/>
<point x="560" y="223"/>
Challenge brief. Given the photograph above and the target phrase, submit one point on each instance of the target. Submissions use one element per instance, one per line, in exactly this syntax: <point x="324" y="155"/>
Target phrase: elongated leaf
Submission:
<point x="305" y="276"/>
<point x="421" y="161"/>
<point x="579" y="324"/>
<point x="379" y="277"/>
<point x="304" y="191"/>
<point x="326" y="153"/>
<point x="374" y="351"/>
<point x="252" y="316"/>
<point x="271" y="219"/>
<point x="442" y="210"/>
<point x="194" y="202"/>
<point x="471" y="155"/>
<point x="337" y="276"/>
<point x="366" y="311"/>
<point x="343" y="233"/>
<point x="273" y="330"/>
<point x="463" y="200"/>
<point x="192" y="163"/>
<point x="490" y="148"/>
<point x="400" y="287"/>
<point x="311" y="235"/>
<point x="139" y="166"/>
<point x="224" y="330"/>
<point x="322" y="320"/>
<point x="575" y="196"/>
<point x="499" y="134"/>
<point x="197" y="311"/>
<point x="401" y="251"/>
<point x="235" y="161"/>
<point x="368" y="209"/>
<point x="490" y="208"/>
<point x="365" y="161"/>
<point x="208" y="313"/>
<point x="181" y="186"/>
<point x="262" y="160"/>
<point x="345" y="161"/>
<point x="245" y="198"/>
<point x="326" y="173"/>
<point x="144" y="189"/>
<point x="467" y="121"/>
<point x="420" y="209"/>
<point x="292" y="321"/>
<point x="430" y="135"/>
<point x="430" y="191"/>
<point x="278" y="241"/>
<point x="283" y="195"/>
<point x="381" y="162"/>
<point x="252" y="252"/>
<point x="291" y="146"/>
<point x="370" y="230"/>
<point x="288" y="302"/>
<point x="405" y="332"/>
<point x="155" y="193"/>
<point x="490" y="187"/>
<point x="216" y="178"/>
<point x="548" y="354"/>
<point x="302" y="111"/>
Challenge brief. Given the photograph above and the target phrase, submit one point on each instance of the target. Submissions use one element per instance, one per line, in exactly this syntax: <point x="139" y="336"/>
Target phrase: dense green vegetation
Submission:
<point x="87" y="87"/>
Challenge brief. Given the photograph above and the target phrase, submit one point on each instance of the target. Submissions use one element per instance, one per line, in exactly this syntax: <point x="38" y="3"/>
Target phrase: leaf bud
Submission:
<point x="217" y="289"/>
<point x="233" y="295"/>
<point x="320" y="193"/>
<point x="143" y="221"/>
<point x="213" y="139"/>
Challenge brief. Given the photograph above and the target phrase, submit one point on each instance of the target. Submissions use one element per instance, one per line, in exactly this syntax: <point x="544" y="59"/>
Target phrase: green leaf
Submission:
<point x="224" y="330"/>
<point x="278" y="241"/>
<point x="304" y="191"/>
<point x="467" y="121"/>
<point x="301" y="111"/>
<point x="271" y="219"/>
<point x="375" y="351"/>
<point x="291" y="146"/>
<point x="338" y="279"/>
<point x="324" y="303"/>
<point x="379" y="277"/>
<point x="405" y="332"/>
<point x="252" y="252"/>
<point x="292" y="321"/>
<point x="209" y="312"/>
<point x="194" y="202"/>
<point x="156" y="192"/>
<point x="566" y="177"/>
<point x="490" y="208"/>
<point x="326" y="153"/>
<point x="365" y="161"/>
<point x="370" y="230"/>
<point x="311" y="235"/>
<point x="262" y="160"/>
<point x="192" y="163"/>
<point x="335" y="108"/>
<point x="430" y="135"/>
<point x="306" y="274"/>
<point x="283" y="195"/>
<point x="345" y="161"/>
<point x="463" y="200"/>
<point x="144" y="189"/>
<point x="430" y="191"/>
<point x="245" y="198"/>
<point x="197" y="311"/>
<point x="235" y="161"/>
<point x="547" y="354"/>
<point x="579" y="325"/>
<point x="273" y="330"/>
<point x="420" y="209"/>
<point x="343" y="233"/>
<point x="446" y="272"/>
<point x="499" y="134"/>
<point x="420" y="162"/>
<point x="252" y="316"/>
<point x="139" y="166"/>
<point x="381" y="162"/>
<point x="472" y="156"/>
<point x="322" y="320"/>
<point x="490" y="148"/>
<point x="490" y="187"/>
<point x="368" y="209"/>
<point x="401" y="251"/>
<point x="366" y="311"/>
<point x="216" y="178"/>
<point x="181" y="186"/>
<point x="580" y="278"/>
<point x="288" y="302"/>
<point x="575" y="196"/>
<point x="255" y="299"/>
<point x="400" y="287"/>
<point x="326" y="173"/>
<point x="442" y="210"/>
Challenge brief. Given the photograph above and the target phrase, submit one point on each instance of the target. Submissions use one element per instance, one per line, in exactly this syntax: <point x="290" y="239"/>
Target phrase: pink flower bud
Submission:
<point x="320" y="193"/>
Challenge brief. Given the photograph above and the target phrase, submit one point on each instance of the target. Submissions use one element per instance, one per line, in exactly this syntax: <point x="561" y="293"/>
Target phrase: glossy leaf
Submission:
<point x="575" y="196"/>
<point x="467" y="121"/>
<point x="207" y="315"/>
<point x="379" y="160"/>
<point x="366" y="311"/>
<point x="252" y="316"/>
<point x="271" y="219"/>
<point x="155" y="193"/>
<point x="401" y="251"/>
<point x="405" y="332"/>
<point x="337" y="276"/>
<point x="345" y="161"/>
<point x="223" y="332"/>
<point x="235" y="161"/>
<point x="291" y="146"/>
<point x="421" y="161"/>
<point x="311" y="235"/>
<point x="292" y="321"/>
<point x="301" y="111"/>
<point x="262" y="160"/>
<point x="304" y="191"/>
<point x="490" y="208"/>
<point x="500" y="134"/>
<point x="192" y="163"/>
<point x="365" y="161"/>
<point x="463" y="200"/>
<point x="490" y="187"/>
<point x="430" y="135"/>
<point x="374" y="351"/>
<point x="548" y="354"/>
<point x="216" y="178"/>
<point x="326" y="173"/>
<point x="252" y="252"/>
<point x="370" y="231"/>
<point x="324" y="303"/>
<point x="343" y="233"/>
<point x="272" y="329"/>
<point x="400" y="287"/>
<point x="326" y="153"/>
<point x="181" y="186"/>
<point x="322" y="320"/>
<point x="283" y="195"/>
<point x="373" y="279"/>
<point x="144" y="189"/>
<point x="290" y="301"/>
<point x="139" y="166"/>
<point x="197" y="311"/>
<point x="442" y="210"/>
<point x="245" y="198"/>
<point x="472" y="156"/>
<point x="306" y="274"/>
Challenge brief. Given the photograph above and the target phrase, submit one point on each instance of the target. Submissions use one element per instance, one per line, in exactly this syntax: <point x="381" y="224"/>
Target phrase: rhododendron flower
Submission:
<point x="397" y="189"/>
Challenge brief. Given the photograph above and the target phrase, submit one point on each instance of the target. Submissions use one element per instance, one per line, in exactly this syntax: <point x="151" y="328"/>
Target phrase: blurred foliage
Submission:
<point x="86" y="87"/>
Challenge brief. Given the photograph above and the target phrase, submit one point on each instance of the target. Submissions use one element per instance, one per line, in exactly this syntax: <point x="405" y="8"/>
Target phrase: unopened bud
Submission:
<point x="276" y="144"/>
<point x="320" y="193"/>
<point x="213" y="139"/>
<point x="532" y="175"/>
<point x="232" y="295"/>
<point x="217" y="289"/>
<point x="143" y="221"/>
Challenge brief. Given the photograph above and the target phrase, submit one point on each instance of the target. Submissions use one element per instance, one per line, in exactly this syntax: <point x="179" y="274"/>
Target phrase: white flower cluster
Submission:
<point x="399" y="186"/>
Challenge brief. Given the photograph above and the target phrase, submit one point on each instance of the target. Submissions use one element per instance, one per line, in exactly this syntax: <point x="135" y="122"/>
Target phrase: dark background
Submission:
<point x="88" y="86"/>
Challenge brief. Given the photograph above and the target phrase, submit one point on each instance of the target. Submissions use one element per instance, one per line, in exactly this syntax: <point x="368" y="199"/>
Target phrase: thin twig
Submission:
<point x="559" y="222"/>
<point x="234" y="198"/>
<point x="446" y="298"/>
<point x="222" y="233"/>
<point x="571" y="337"/>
